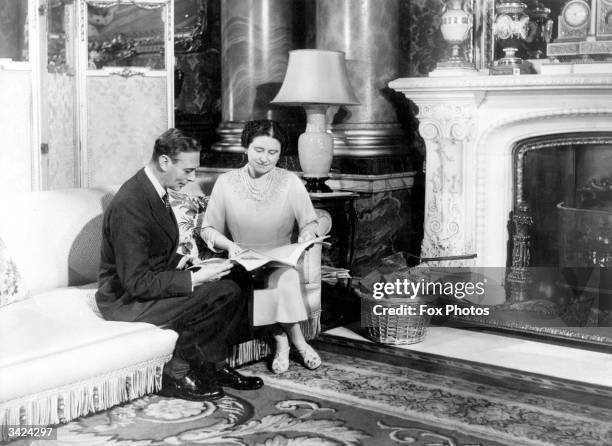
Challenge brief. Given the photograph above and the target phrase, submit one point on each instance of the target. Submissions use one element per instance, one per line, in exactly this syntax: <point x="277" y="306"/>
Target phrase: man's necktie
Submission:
<point x="166" y="199"/>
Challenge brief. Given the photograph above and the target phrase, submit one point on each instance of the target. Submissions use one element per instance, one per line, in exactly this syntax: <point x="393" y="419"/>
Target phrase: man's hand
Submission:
<point x="212" y="272"/>
<point x="184" y="263"/>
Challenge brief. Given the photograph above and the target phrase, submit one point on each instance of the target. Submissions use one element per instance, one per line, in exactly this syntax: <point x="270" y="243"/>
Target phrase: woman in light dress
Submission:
<point x="257" y="207"/>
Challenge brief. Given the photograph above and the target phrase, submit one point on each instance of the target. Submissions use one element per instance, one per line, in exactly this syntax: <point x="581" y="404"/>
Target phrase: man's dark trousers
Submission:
<point x="208" y="320"/>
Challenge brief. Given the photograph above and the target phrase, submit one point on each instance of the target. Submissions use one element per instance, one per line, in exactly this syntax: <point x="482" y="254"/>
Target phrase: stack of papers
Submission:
<point x="332" y="275"/>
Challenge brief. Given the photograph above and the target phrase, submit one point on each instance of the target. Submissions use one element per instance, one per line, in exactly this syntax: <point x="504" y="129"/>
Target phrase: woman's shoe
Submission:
<point x="280" y="363"/>
<point x="310" y="357"/>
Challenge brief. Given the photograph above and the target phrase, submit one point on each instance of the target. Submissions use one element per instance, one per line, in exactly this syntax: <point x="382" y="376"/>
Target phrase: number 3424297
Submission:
<point x="31" y="431"/>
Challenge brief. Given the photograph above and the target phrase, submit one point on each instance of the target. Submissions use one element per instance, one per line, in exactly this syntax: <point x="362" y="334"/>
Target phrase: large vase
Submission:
<point x="457" y="22"/>
<point x="510" y="28"/>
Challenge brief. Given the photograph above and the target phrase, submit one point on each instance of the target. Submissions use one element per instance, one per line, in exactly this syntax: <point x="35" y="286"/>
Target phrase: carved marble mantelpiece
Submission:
<point x="470" y="126"/>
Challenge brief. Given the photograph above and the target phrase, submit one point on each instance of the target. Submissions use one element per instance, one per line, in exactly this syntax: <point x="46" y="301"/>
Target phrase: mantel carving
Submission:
<point x="447" y="129"/>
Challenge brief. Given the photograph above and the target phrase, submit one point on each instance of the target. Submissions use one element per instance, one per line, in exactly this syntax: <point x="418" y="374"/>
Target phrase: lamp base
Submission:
<point x="317" y="184"/>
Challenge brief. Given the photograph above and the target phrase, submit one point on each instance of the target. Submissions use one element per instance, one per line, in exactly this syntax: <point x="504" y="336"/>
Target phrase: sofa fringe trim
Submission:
<point x="257" y="349"/>
<point x="66" y="403"/>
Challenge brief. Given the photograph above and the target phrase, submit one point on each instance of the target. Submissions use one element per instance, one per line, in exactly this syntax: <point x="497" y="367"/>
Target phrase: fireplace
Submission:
<point x="562" y="181"/>
<point x="478" y="130"/>
<point x="560" y="227"/>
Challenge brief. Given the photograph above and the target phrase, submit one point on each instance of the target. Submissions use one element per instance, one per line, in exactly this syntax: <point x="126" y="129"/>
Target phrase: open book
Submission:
<point x="286" y="255"/>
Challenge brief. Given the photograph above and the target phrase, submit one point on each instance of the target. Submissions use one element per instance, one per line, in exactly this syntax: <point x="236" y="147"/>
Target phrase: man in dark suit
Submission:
<point x="139" y="280"/>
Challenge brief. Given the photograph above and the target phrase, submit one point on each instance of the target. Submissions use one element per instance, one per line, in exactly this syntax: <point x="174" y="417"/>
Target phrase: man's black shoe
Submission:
<point x="229" y="377"/>
<point x="191" y="388"/>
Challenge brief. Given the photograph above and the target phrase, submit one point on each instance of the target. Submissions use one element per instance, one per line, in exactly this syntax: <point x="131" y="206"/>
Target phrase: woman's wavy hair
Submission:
<point x="264" y="127"/>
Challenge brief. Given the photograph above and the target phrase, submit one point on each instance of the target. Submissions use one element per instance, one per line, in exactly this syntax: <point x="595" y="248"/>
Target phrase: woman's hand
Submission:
<point x="233" y="250"/>
<point x="306" y="235"/>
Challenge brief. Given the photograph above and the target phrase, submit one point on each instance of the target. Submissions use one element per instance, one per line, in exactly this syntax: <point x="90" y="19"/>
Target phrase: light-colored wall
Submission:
<point x="16" y="131"/>
<point x="124" y="117"/>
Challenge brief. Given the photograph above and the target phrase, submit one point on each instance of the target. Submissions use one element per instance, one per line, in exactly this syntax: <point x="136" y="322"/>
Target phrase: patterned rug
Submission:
<point x="347" y="401"/>
<point x="266" y="417"/>
<point x="492" y="413"/>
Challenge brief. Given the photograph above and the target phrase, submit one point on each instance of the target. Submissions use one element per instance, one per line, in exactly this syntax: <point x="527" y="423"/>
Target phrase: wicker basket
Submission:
<point x="392" y="329"/>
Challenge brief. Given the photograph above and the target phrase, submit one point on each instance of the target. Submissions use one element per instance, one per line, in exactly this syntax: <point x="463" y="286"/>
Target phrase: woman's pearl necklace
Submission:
<point x="258" y="192"/>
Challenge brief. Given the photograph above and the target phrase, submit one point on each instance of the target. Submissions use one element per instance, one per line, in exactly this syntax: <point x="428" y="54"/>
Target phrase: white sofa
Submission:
<point x="58" y="358"/>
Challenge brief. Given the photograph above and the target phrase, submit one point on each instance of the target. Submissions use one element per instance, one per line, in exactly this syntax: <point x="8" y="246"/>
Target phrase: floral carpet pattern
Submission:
<point x="506" y="416"/>
<point x="349" y="402"/>
<point x="270" y="417"/>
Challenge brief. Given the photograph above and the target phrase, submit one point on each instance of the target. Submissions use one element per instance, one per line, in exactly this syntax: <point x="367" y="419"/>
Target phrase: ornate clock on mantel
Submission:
<point x="584" y="30"/>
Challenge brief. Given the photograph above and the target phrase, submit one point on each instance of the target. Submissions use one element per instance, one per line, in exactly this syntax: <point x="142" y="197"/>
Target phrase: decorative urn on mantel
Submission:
<point x="510" y="28"/>
<point x="457" y="22"/>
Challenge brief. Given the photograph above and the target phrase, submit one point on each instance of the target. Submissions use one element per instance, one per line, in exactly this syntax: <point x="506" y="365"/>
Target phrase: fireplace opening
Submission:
<point x="560" y="250"/>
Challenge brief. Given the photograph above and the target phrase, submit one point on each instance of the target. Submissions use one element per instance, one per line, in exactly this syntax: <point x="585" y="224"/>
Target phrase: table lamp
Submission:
<point x="316" y="79"/>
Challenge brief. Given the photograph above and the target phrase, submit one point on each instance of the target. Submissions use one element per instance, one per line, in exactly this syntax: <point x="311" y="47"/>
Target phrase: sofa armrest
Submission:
<point x="312" y="256"/>
<point x="324" y="222"/>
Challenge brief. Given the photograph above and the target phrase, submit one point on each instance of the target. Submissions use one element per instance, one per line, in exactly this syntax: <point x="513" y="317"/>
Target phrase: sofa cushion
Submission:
<point x="78" y="344"/>
<point x="12" y="288"/>
<point x="55" y="236"/>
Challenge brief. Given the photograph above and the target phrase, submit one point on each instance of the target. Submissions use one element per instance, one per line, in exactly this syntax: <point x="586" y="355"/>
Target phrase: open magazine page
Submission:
<point x="286" y="255"/>
<point x="249" y="259"/>
<point x="290" y="254"/>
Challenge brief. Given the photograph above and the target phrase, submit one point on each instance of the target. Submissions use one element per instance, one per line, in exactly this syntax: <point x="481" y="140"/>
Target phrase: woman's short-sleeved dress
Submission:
<point x="263" y="219"/>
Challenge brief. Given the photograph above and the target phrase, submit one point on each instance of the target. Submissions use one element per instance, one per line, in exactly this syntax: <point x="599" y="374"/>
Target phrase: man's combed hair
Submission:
<point x="264" y="127"/>
<point x="172" y="142"/>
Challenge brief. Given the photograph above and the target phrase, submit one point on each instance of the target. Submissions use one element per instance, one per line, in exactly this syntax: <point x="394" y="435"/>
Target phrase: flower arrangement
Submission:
<point x="189" y="211"/>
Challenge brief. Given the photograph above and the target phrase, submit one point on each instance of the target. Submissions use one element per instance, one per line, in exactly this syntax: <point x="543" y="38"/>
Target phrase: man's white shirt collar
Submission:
<point x="161" y="191"/>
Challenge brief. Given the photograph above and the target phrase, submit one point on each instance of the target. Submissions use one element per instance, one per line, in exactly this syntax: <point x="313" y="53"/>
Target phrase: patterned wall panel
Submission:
<point x="200" y="85"/>
<point x="61" y="135"/>
<point x="421" y="43"/>
<point x="124" y="118"/>
<point x="16" y="124"/>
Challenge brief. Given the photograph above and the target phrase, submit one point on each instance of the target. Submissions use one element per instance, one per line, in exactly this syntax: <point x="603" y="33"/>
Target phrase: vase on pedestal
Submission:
<point x="457" y="21"/>
<point x="510" y="30"/>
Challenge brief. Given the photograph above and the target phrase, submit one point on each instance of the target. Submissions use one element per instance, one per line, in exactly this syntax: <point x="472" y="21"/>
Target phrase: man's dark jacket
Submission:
<point x="138" y="273"/>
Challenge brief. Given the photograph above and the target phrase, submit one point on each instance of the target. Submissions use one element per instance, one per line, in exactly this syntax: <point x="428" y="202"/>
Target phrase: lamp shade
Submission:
<point x="316" y="77"/>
